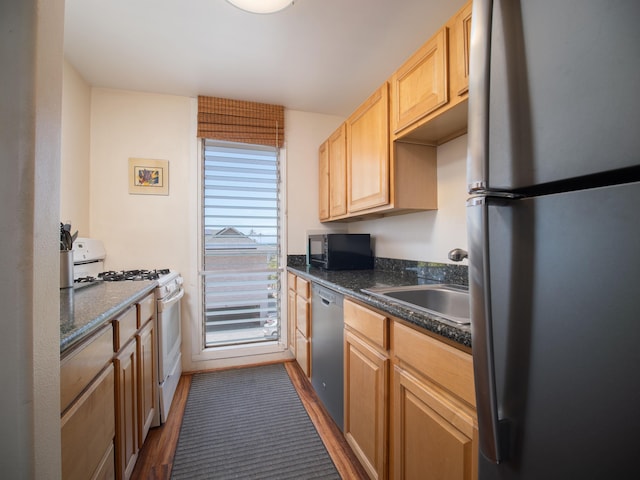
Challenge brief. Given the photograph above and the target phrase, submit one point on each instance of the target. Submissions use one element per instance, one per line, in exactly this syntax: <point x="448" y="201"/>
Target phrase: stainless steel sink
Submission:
<point x="448" y="301"/>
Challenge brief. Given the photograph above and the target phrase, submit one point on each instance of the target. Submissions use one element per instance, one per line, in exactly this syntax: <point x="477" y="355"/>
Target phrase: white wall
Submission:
<point x="428" y="236"/>
<point x="74" y="184"/>
<point x="154" y="231"/>
<point x="305" y="133"/>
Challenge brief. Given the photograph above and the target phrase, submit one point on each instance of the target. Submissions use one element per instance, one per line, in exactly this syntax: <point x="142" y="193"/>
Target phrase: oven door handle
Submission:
<point x="163" y="304"/>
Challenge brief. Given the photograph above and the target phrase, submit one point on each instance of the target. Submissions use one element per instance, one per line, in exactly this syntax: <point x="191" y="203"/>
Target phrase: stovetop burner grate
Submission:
<point x="87" y="279"/>
<point x="123" y="275"/>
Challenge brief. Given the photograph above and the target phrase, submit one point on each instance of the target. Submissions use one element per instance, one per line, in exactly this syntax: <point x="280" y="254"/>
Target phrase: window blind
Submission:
<point x="241" y="121"/>
<point x="241" y="243"/>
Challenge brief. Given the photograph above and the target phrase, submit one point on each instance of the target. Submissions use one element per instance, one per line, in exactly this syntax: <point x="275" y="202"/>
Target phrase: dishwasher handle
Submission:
<point x="327" y="297"/>
<point x="327" y="302"/>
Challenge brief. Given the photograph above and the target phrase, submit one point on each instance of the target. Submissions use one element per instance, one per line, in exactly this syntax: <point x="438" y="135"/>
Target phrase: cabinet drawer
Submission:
<point x="302" y="287"/>
<point x="146" y="309"/>
<point x="125" y="327"/>
<point x="302" y="316"/>
<point x="82" y="365"/>
<point x="443" y="364"/>
<point x="88" y="429"/>
<point x="372" y="325"/>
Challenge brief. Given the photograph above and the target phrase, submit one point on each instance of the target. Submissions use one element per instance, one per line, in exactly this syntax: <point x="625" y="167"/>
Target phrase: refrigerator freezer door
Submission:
<point x="564" y="300"/>
<point x="562" y="90"/>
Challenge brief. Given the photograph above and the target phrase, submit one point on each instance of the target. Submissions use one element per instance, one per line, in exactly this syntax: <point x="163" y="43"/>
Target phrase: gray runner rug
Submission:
<point x="248" y="423"/>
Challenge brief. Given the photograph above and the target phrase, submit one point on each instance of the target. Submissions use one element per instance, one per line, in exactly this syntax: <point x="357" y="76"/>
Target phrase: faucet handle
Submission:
<point x="457" y="255"/>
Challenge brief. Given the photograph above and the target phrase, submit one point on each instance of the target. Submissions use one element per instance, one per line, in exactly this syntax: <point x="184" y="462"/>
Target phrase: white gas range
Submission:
<point x="88" y="256"/>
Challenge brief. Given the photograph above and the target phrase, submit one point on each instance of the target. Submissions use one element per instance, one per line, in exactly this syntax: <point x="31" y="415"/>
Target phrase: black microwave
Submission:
<point x="340" y="251"/>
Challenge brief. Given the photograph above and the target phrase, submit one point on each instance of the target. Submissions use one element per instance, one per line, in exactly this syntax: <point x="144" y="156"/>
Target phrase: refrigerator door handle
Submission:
<point x="491" y="431"/>
<point x="478" y="129"/>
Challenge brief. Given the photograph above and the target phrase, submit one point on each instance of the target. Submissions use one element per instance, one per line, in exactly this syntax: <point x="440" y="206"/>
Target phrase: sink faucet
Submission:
<point x="457" y="255"/>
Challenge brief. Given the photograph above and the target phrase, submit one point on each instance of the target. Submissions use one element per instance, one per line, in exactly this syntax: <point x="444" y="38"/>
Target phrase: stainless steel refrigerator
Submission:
<point x="554" y="237"/>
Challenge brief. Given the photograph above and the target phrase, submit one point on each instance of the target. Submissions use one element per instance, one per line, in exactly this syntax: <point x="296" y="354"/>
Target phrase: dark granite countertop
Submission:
<point x="84" y="310"/>
<point x="352" y="282"/>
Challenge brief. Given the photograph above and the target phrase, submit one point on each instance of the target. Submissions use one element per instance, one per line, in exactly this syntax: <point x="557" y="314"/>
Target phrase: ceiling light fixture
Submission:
<point x="261" y="6"/>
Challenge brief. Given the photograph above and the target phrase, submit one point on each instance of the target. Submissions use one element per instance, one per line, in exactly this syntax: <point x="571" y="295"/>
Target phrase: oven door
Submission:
<point x="169" y="333"/>
<point x="169" y="358"/>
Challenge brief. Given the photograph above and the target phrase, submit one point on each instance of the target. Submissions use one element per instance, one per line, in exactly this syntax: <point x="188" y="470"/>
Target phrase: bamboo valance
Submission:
<point x="240" y="121"/>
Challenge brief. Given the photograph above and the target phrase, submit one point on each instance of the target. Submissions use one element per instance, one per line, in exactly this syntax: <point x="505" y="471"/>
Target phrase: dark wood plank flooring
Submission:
<point x="156" y="457"/>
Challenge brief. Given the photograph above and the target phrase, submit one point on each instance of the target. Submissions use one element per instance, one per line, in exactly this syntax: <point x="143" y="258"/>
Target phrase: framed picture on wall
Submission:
<point x="148" y="177"/>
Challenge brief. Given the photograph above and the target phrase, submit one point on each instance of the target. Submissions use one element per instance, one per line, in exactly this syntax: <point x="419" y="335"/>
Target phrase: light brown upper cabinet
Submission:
<point x="420" y="85"/>
<point x="323" y="181"/>
<point x="391" y="138"/>
<point x="462" y="43"/>
<point x="429" y="92"/>
<point x="385" y="177"/>
<point x="368" y="153"/>
<point x="338" y="172"/>
<point x="332" y="159"/>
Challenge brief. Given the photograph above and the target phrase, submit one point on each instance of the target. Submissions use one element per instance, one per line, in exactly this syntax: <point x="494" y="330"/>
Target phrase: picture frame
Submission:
<point x="148" y="176"/>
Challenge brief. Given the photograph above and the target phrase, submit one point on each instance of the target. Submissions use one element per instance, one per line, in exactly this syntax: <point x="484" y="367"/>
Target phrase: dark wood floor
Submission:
<point x="156" y="457"/>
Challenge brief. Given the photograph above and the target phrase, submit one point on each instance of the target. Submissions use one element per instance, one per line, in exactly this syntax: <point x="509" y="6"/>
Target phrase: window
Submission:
<point x="241" y="244"/>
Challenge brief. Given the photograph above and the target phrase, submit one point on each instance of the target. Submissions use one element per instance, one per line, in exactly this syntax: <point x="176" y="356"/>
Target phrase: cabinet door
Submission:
<point x="420" y="85"/>
<point x="302" y="316"/>
<point x="323" y="182"/>
<point x="337" y="146"/>
<point x="368" y="169"/>
<point x="462" y="39"/>
<point x="126" y="411"/>
<point x="303" y="353"/>
<point x="433" y="436"/>
<point x="147" y="383"/>
<point x="365" y="404"/>
<point x="291" y="318"/>
<point x="88" y="429"/>
<point x="107" y="468"/>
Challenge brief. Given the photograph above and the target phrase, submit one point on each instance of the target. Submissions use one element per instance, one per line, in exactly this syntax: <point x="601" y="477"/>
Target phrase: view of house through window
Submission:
<point x="241" y="244"/>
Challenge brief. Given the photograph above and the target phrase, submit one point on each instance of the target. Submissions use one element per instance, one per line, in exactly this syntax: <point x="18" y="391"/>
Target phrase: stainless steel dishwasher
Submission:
<point x="327" y="350"/>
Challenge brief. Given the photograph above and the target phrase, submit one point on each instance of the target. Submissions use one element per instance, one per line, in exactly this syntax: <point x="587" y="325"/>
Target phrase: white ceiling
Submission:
<point x="323" y="56"/>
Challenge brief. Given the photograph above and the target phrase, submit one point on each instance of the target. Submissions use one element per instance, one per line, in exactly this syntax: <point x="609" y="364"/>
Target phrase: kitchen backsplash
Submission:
<point x="432" y="271"/>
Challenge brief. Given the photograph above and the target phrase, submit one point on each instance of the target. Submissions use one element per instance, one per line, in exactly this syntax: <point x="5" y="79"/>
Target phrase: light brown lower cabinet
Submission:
<point x="291" y="312"/>
<point x="303" y="325"/>
<point x="108" y="396"/>
<point x="87" y="431"/>
<point x="303" y="353"/>
<point x="366" y="373"/>
<point x="434" y="431"/>
<point x="409" y="400"/>
<point x="126" y="410"/>
<point x="147" y="386"/>
<point x="434" y="436"/>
